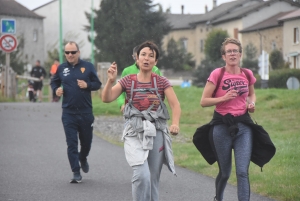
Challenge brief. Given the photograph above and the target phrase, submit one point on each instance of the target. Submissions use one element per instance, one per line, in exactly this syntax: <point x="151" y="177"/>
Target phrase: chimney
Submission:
<point x="182" y="9"/>
<point x="206" y="9"/>
<point x="214" y="3"/>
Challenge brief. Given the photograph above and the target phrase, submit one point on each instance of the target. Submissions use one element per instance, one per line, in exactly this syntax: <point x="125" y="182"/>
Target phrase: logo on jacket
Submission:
<point x="82" y="69"/>
<point x="66" y="72"/>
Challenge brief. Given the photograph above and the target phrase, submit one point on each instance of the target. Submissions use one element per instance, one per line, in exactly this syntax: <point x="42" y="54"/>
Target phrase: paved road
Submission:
<point x="34" y="164"/>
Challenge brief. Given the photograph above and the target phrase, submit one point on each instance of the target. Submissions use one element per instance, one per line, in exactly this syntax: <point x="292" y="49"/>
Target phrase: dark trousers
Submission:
<point x="78" y="126"/>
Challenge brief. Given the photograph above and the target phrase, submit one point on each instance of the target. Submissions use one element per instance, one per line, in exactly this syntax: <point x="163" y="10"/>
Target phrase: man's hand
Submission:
<point x="59" y="91"/>
<point x="82" y="84"/>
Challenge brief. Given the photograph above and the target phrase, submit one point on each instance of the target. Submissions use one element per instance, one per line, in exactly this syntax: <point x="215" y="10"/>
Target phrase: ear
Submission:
<point x="224" y="57"/>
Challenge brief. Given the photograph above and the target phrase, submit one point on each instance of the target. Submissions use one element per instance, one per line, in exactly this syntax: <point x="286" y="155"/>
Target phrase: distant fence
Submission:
<point x="8" y="83"/>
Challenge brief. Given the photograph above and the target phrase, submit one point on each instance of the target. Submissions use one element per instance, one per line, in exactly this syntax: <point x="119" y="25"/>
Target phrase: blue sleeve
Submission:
<point x="55" y="80"/>
<point x="94" y="84"/>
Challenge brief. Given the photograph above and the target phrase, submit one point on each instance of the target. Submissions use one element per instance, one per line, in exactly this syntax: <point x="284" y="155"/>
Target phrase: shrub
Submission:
<point x="278" y="78"/>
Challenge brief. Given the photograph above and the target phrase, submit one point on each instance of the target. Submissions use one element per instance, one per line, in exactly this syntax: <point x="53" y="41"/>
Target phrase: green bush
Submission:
<point x="278" y="78"/>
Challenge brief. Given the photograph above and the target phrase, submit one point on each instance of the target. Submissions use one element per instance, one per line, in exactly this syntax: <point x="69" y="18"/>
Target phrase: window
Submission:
<point x="296" y="62"/>
<point x="273" y="45"/>
<point x="184" y="43"/>
<point x="35" y="35"/>
<point x="296" y="35"/>
<point x="201" y="45"/>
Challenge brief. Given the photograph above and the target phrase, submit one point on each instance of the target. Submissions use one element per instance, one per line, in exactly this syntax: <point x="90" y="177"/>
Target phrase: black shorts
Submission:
<point x="37" y="86"/>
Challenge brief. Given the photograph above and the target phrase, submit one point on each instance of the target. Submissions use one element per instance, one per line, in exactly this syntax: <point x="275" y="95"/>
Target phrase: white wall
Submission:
<point x="73" y="22"/>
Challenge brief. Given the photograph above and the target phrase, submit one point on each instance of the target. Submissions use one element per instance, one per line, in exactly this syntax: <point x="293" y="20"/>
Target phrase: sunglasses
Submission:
<point x="72" y="52"/>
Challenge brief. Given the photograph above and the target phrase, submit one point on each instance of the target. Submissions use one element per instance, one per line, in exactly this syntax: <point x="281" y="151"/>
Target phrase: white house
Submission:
<point x="73" y="22"/>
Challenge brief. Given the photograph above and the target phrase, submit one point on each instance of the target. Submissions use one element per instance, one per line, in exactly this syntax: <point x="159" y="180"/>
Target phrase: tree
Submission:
<point x="276" y="59"/>
<point x="213" y="57"/>
<point x="121" y="25"/>
<point x="250" y="60"/>
<point x="177" y="58"/>
<point x="213" y="44"/>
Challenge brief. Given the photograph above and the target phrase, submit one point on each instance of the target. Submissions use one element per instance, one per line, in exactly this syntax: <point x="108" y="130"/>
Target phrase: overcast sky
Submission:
<point x="190" y="6"/>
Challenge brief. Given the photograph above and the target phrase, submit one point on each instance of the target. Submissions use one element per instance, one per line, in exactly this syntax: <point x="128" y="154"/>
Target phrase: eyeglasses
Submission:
<point x="72" y="52"/>
<point x="234" y="51"/>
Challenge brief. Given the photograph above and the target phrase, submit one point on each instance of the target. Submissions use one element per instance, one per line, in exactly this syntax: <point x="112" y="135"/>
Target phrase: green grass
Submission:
<point x="277" y="110"/>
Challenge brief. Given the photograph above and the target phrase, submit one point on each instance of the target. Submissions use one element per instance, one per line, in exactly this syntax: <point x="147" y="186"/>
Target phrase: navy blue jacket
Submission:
<point x="75" y="99"/>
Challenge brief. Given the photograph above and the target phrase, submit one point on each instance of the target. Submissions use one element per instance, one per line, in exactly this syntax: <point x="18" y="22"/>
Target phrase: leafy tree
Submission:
<point x="213" y="56"/>
<point x="250" y="60"/>
<point x="121" y="25"/>
<point x="203" y="71"/>
<point x="177" y="58"/>
<point x="276" y="59"/>
<point x="16" y="62"/>
<point x="213" y="44"/>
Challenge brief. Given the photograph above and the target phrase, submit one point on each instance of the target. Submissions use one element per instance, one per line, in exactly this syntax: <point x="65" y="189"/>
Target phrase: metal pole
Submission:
<point x="7" y="58"/>
<point x="60" y="34"/>
<point x="92" y="33"/>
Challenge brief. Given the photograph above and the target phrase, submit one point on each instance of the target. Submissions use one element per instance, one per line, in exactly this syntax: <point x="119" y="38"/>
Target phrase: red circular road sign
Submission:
<point x="8" y="43"/>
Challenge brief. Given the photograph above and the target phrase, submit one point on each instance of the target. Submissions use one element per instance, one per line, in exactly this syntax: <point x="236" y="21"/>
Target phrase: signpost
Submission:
<point x="8" y="26"/>
<point x="8" y="43"/>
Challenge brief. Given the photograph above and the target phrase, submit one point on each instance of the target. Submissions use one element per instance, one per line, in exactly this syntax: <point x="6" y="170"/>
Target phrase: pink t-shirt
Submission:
<point x="239" y="82"/>
<point x="142" y="100"/>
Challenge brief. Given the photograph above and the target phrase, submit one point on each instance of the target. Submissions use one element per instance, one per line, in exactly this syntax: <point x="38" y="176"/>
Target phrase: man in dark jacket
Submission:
<point x="38" y="72"/>
<point x="75" y="80"/>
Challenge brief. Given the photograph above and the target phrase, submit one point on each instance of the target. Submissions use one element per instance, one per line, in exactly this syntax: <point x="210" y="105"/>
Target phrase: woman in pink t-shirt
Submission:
<point x="231" y="90"/>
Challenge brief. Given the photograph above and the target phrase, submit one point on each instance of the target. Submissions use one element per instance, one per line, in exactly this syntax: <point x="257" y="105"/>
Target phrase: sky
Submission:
<point x="190" y="6"/>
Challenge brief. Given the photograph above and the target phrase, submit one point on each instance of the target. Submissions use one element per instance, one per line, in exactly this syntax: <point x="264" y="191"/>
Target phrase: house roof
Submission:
<point x="247" y="7"/>
<point x="13" y="8"/>
<point x="222" y="13"/>
<point x="182" y="21"/>
<point x="44" y="5"/>
<point x="187" y="21"/>
<point x="268" y="23"/>
<point x="291" y="15"/>
<point x="222" y="10"/>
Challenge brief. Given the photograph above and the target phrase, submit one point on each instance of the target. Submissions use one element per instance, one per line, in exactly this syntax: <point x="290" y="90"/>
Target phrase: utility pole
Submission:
<point x="92" y="33"/>
<point x="60" y="34"/>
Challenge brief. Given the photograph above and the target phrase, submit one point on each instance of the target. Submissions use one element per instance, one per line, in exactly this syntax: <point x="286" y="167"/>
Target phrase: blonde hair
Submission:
<point x="233" y="41"/>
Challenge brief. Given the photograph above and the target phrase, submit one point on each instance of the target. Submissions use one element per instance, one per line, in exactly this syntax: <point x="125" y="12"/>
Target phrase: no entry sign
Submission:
<point x="8" y="43"/>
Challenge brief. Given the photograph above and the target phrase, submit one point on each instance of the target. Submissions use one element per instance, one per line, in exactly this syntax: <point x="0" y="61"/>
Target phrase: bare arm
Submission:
<point x="110" y="91"/>
<point x="207" y="99"/>
<point x="251" y="99"/>
<point x="176" y="110"/>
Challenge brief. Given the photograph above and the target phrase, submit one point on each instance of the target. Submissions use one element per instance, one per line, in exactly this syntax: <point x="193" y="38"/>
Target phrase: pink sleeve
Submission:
<point x="214" y="76"/>
<point x="252" y="78"/>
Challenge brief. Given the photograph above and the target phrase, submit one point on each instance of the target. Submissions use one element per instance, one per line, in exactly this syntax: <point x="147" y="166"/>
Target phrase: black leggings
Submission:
<point x="241" y="144"/>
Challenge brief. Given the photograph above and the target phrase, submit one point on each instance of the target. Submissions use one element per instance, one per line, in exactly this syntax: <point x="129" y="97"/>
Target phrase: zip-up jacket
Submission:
<point x="263" y="148"/>
<point x="75" y="99"/>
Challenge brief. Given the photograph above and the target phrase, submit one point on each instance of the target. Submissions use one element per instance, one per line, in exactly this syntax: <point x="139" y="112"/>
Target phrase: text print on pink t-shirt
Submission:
<point x="239" y="82"/>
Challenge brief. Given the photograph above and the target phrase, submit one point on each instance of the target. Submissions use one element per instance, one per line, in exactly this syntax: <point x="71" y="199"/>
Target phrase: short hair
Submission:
<point x="38" y="61"/>
<point x="71" y="43"/>
<point x="152" y="47"/>
<point x="233" y="41"/>
<point x="135" y="49"/>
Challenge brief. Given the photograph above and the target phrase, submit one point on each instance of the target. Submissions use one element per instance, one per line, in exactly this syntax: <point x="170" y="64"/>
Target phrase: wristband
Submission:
<point x="253" y="103"/>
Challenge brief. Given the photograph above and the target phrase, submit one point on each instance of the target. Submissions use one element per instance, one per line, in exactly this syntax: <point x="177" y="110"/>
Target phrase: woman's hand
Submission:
<point x="112" y="72"/>
<point x="174" y="129"/>
<point x="230" y="95"/>
<point x="251" y="107"/>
